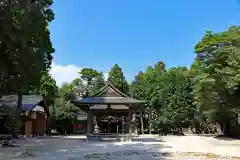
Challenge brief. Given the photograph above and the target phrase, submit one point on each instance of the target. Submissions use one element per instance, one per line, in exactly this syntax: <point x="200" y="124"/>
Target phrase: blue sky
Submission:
<point x="133" y="33"/>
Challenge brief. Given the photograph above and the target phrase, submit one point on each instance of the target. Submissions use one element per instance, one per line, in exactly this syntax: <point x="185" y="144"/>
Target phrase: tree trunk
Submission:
<point x="45" y="103"/>
<point x="19" y="102"/>
<point x="19" y="109"/>
<point x="150" y="122"/>
<point x="142" y="126"/>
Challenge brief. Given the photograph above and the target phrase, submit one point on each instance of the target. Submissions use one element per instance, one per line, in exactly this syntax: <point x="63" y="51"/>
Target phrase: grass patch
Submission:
<point x="207" y="155"/>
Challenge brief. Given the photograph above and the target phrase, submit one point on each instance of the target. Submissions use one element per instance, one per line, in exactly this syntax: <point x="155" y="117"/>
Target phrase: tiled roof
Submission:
<point x="104" y="106"/>
<point x="108" y="100"/>
<point x="108" y="95"/>
<point x="110" y="90"/>
<point x="29" y="101"/>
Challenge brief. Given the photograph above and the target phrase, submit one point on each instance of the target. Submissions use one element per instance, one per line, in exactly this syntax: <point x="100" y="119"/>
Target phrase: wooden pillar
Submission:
<point x="45" y="124"/>
<point x="117" y="126"/>
<point x="109" y="126"/>
<point x="28" y="128"/>
<point x="142" y="127"/>
<point x="122" y="124"/>
<point x="101" y="127"/>
<point x="129" y="119"/>
<point x="89" y="121"/>
<point x="129" y="123"/>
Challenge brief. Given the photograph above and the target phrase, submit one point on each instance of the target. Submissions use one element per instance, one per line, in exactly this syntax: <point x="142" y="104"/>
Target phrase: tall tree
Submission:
<point x="137" y="86"/>
<point x="79" y="88"/>
<point x="219" y="58"/>
<point x="65" y="114"/>
<point x="99" y="82"/>
<point x="168" y="95"/>
<point x="48" y="89"/>
<point x="25" y="44"/>
<point x="66" y="92"/>
<point x="117" y="78"/>
<point x="89" y="75"/>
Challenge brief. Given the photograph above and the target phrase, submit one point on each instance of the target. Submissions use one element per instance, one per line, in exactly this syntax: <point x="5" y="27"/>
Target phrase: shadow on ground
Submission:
<point x="146" y="140"/>
<point x="81" y="149"/>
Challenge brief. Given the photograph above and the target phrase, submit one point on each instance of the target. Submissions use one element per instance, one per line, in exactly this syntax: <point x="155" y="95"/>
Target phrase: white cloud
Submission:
<point x="66" y="73"/>
<point x="105" y="76"/>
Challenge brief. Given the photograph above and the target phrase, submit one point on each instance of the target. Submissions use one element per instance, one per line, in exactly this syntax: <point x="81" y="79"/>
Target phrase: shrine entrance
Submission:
<point x="111" y="112"/>
<point x="110" y="124"/>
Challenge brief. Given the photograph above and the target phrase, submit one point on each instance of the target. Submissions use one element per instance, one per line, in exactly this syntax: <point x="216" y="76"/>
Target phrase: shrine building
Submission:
<point x="111" y="112"/>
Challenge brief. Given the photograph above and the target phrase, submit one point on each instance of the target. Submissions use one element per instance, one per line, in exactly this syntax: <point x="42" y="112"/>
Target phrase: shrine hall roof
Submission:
<point x="109" y="95"/>
<point x="108" y="100"/>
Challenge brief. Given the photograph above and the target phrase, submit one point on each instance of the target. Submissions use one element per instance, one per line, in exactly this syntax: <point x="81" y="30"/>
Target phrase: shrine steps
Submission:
<point x="110" y="137"/>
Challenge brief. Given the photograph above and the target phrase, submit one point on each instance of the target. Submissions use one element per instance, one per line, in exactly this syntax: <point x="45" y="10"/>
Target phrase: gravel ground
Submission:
<point x="224" y="147"/>
<point x="77" y="148"/>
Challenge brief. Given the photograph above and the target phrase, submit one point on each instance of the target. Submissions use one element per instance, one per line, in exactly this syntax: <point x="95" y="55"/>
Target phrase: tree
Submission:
<point x="219" y="58"/>
<point x="98" y="83"/>
<point x="202" y="97"/>
<point x="117" y="78"/>
<point x="137" y="86"/>
<point x="168" y="95"/>
<point x="66" y="92"/>
<point x="89" y="75"/>
<point x="146" y="86"/>
<point x="25" y="46"/>
<point x="66" y="115"/>
<point x="48" y="89"/>
<point x="79" y="88"/>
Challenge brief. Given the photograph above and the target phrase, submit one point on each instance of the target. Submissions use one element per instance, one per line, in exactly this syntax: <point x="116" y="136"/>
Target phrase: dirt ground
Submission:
<point x="146" y="147"/>
<point x="223" y="146"/>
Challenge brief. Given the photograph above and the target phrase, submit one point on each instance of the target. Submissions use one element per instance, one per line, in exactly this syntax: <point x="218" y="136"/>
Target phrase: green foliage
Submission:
<point x="218" y="88"/>
<point x="65" y="114"/>
<point x="117" y="78"/>
<point x="168" y="93"/>
<point x="66" y="92"/>
<point x="88" y="74"/>
<point x="25" y="44"/>
<point x="79" y="88"/>
<point x="48" y="88"/>
<point x="99" y="83"/>
<point x="205" y="95"/>
<point x="12" y="120"/>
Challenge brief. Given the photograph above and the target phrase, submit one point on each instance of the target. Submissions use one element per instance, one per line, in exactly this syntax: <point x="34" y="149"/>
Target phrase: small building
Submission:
<point x="111" y="112"/>
<point x="33" y="113"/>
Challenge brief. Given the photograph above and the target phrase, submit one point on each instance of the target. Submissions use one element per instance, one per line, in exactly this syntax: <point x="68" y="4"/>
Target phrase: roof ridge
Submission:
<point x="108" y="83"/>
<point x="117" y="90"/>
